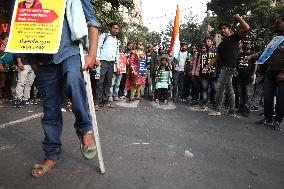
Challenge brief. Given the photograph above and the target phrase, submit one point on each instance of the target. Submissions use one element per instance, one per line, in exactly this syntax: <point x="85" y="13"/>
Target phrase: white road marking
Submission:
<point x="7" y="147"/>
<point x="35" y="116"/>
<point x="167" y="106"/>
<point x="143" y="143"/>
<point x="131" y="104"/>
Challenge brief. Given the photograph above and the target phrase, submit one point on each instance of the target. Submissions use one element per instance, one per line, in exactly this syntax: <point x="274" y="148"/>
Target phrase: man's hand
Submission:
<point x="244" y="26"/>
<point x="118" y="69"/>
<point x="237" y="17"/>
<point x="280" y="76"/>
<point x="91" y="63"/>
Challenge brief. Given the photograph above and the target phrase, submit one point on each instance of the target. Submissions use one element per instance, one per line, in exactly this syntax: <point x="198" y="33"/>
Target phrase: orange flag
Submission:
<point x="175" y="43"/>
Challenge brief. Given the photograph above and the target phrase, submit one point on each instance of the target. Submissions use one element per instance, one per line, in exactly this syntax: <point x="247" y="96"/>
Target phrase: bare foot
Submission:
<point x="88" y="139"/>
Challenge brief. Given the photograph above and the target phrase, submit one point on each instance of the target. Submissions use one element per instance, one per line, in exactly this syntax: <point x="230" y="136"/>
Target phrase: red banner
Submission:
<point x="5" y="27"/>
<point x="36" y="15"/>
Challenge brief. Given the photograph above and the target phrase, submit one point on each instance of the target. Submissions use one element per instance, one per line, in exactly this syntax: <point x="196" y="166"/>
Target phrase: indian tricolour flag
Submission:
<point x="175" y="43"/>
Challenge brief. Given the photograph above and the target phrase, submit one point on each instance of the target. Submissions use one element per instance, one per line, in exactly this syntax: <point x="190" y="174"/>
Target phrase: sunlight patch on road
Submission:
<point x="128" y="104"/>
<point x="167" y="106"/>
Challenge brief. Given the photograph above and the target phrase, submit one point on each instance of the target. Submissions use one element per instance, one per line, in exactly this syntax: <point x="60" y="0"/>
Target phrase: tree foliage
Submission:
<point x="136" y="32"/>
<point x="260" y="14"/>
<point x="190" y="32"/>
<point x="107" y="11"/>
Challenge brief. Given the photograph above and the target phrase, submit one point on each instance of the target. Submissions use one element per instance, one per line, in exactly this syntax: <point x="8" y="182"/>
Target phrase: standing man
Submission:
<point x="152" y="63"/>
<point x="178" y="66"/>
<point x="227" y="56"/>
<point x="208" y="79"/>
<point x="244" y="78"/>
<point x="273" y="78"/>
<point x="107" y="55"/>
<point x="64" y="69"/>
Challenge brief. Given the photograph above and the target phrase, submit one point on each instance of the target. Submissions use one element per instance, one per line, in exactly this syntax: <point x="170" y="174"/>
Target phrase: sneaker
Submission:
<point x="33" y="102"/>
<point x="27" y="102"/>
<point x="193" y="103"/>
<point x="254" y="108"/>
<point x="18" y="104"/>
<point x="214" y="113"/>
<point x="264" y="122"/>
<point x="157" y="101"/>
<point x="275" y="126"/>
<point x="165" y="101"/>
<point x="182" y="100"/>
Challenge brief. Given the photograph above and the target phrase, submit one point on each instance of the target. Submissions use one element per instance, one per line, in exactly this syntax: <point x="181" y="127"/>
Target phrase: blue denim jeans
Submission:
<point x="207" y="82"/>
<point x="51" y="78"/>
<point x="178" y="84"/>
<point x="115" y="85"/>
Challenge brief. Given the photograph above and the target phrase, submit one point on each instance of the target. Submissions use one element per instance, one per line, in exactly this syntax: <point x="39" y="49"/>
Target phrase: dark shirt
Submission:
<point x="152" y="62"/>
<point x="228" y="51"/>
<point x="206" y="59"/>
<point x="245" y="69"/>
<point x="276" y="61"/>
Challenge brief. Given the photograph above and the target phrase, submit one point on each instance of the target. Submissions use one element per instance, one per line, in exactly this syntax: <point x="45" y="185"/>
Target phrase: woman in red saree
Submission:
<point x="134" y="81"/>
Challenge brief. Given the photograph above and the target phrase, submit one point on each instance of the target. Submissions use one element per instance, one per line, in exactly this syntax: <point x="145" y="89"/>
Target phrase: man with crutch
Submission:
<point x="64" y="69"/>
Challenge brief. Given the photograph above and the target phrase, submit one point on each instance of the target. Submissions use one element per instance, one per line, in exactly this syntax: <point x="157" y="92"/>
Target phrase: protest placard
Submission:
<point x="5" y="27"/>
<point x="142" y="66"/>
<point x="122" y="63"/>
<point x="36" y="28"/>
<point x="163" y="76"/>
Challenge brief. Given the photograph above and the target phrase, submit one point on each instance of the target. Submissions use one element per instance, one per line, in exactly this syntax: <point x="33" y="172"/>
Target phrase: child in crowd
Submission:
<point x="163" y="80"/>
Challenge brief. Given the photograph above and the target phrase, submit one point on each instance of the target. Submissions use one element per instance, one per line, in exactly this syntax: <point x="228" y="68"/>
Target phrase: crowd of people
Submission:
<point x="203" y="74"/>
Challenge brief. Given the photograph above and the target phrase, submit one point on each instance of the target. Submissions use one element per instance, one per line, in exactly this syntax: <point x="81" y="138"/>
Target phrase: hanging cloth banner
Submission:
<point x="36" y="27"/>
<point x="271" y="47"/>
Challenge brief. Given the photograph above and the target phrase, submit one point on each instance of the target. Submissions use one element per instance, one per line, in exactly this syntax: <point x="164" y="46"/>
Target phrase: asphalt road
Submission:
<point x="147" y="146"/>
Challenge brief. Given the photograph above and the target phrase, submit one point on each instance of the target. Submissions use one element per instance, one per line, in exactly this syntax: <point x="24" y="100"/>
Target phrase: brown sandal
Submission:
<point x="109" y="105"/>
<point x="40" y="169"/>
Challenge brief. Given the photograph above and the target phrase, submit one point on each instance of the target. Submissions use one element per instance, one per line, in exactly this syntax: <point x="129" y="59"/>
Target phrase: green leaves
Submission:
<point x="260" y="15"/>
